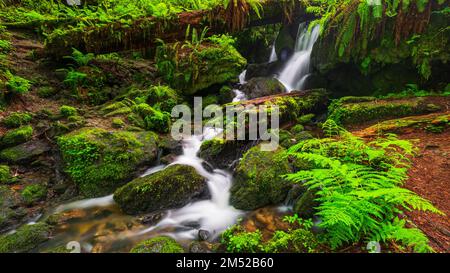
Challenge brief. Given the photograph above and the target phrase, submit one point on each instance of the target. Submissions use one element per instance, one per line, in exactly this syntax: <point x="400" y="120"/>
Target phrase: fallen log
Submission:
<point x="143" y="32"/>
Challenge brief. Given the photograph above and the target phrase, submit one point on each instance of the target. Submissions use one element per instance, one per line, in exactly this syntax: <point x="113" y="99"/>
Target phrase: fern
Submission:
<point x="358" y="186"/>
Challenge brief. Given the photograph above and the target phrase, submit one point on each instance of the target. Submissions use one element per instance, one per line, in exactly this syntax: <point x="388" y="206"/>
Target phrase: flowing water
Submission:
<point x="296" y="70"/>
<point x="98" y="225"/>
<point x="213" y="215"/>
<point x="273" y="54"/>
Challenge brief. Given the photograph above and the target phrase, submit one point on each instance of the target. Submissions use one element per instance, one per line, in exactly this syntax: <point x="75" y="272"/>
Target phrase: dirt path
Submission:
<point x="430" y="178"/>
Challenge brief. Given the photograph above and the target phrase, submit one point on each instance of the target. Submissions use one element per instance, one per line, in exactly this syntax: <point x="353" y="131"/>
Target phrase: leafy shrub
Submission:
<point x="239" y="241"/>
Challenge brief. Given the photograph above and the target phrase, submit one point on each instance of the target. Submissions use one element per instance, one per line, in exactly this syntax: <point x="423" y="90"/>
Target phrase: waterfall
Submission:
<point x="296" y="70"/>
<point x="273" y="55"/>
<point x="215" y="214"/>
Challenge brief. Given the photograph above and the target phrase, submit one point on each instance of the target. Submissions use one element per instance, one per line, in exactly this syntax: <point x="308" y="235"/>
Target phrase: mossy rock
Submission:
<point x="34" y="193"/>
<point x="17" y="119"/>
<point x="191" y="71"/>
<point x="261" y="87"/>
<point x="161" y="244"/>
<point x="221" y="153"/>
<point x="25" y="239"/>
<point x="100" y="161"/>
<point x="173" y="187"/>
<point x="16" y="136"/>
<point x="10" y="212"/>
<point x="25" y="152"/>
<point x="258" y="180"/>
<point x="351" y="110"/>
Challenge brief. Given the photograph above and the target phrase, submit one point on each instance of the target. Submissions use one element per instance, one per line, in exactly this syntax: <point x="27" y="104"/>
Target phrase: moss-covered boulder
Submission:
<point x="161" y="244"/>
<point x="258" y="179"/>
<point x="25" y="152"/>
<point x="173" y="187"/>
<point x="16" y="136"/>
<point x="261" y="87"/>
<point x="194" y="68"/>
<point x="17" y="119"/>
<point x="100" y="161"/>
<point x="221" y="153"/>
<point x="25" y="239"/>
<point x="354" y="110"/>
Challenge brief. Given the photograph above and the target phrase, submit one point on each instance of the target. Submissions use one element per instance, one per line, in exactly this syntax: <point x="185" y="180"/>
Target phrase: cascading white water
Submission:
<point x="273" y="54"/>
<point x="214" y="215"/>
<point x="296" y="70"/>
<point x="238" y="94"/>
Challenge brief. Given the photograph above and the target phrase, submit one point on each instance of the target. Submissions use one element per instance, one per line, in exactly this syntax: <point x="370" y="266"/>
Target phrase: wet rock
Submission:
<point x="220" y="153"/>
<point x="306" y="204"/>
<point x="258" y="179"/>
<point x="25" y="152"/>
<point x="161" y="244"/>
<point x="10" y="210"/>
<point x="203" y="235"/>
<point x="173" y="187"/>
<point x="261" y="87"/>
<point x="152" y="218"/>
<point x="262" y="70"/>
<point x="199" y="247"/>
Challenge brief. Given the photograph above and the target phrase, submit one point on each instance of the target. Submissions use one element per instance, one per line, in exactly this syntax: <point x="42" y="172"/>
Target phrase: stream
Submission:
<point x="98" y="225"/>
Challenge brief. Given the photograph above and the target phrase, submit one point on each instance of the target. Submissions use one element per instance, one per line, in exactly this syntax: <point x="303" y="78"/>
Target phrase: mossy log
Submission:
<point x="143" y="32"/>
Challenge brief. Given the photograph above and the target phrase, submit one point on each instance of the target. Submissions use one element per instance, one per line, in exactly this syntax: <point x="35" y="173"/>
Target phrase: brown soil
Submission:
<point x="430" y="178"/>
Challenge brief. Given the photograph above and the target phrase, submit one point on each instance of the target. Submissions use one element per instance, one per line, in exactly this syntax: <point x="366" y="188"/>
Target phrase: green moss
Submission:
<point x="117" y="123"/>
<point x="47" y="92"/>
<point x="170" y="188"/>
<point x="152" y="119"/>
<point x="17" y="136"/>
<point x="305" y="119"/>
<point x="17" y="119"/>
<point x="162" y="97"/>
<point x="350" y="110"/>
<point x="25" y="239"/>
<point x="99" y="161"/>
<point x="68" y="111"/>
<point x="34" y="193"/>
<point x="17" y="84"/>
<point x="297" y="129"/>
<point x="212" y="147"/>
<point x="5" y="174"/>
<point x="159" y="121"/>
<point x="258" y="179"/>
<point x="161" y="244"/>
<point x="194" y="69"/>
